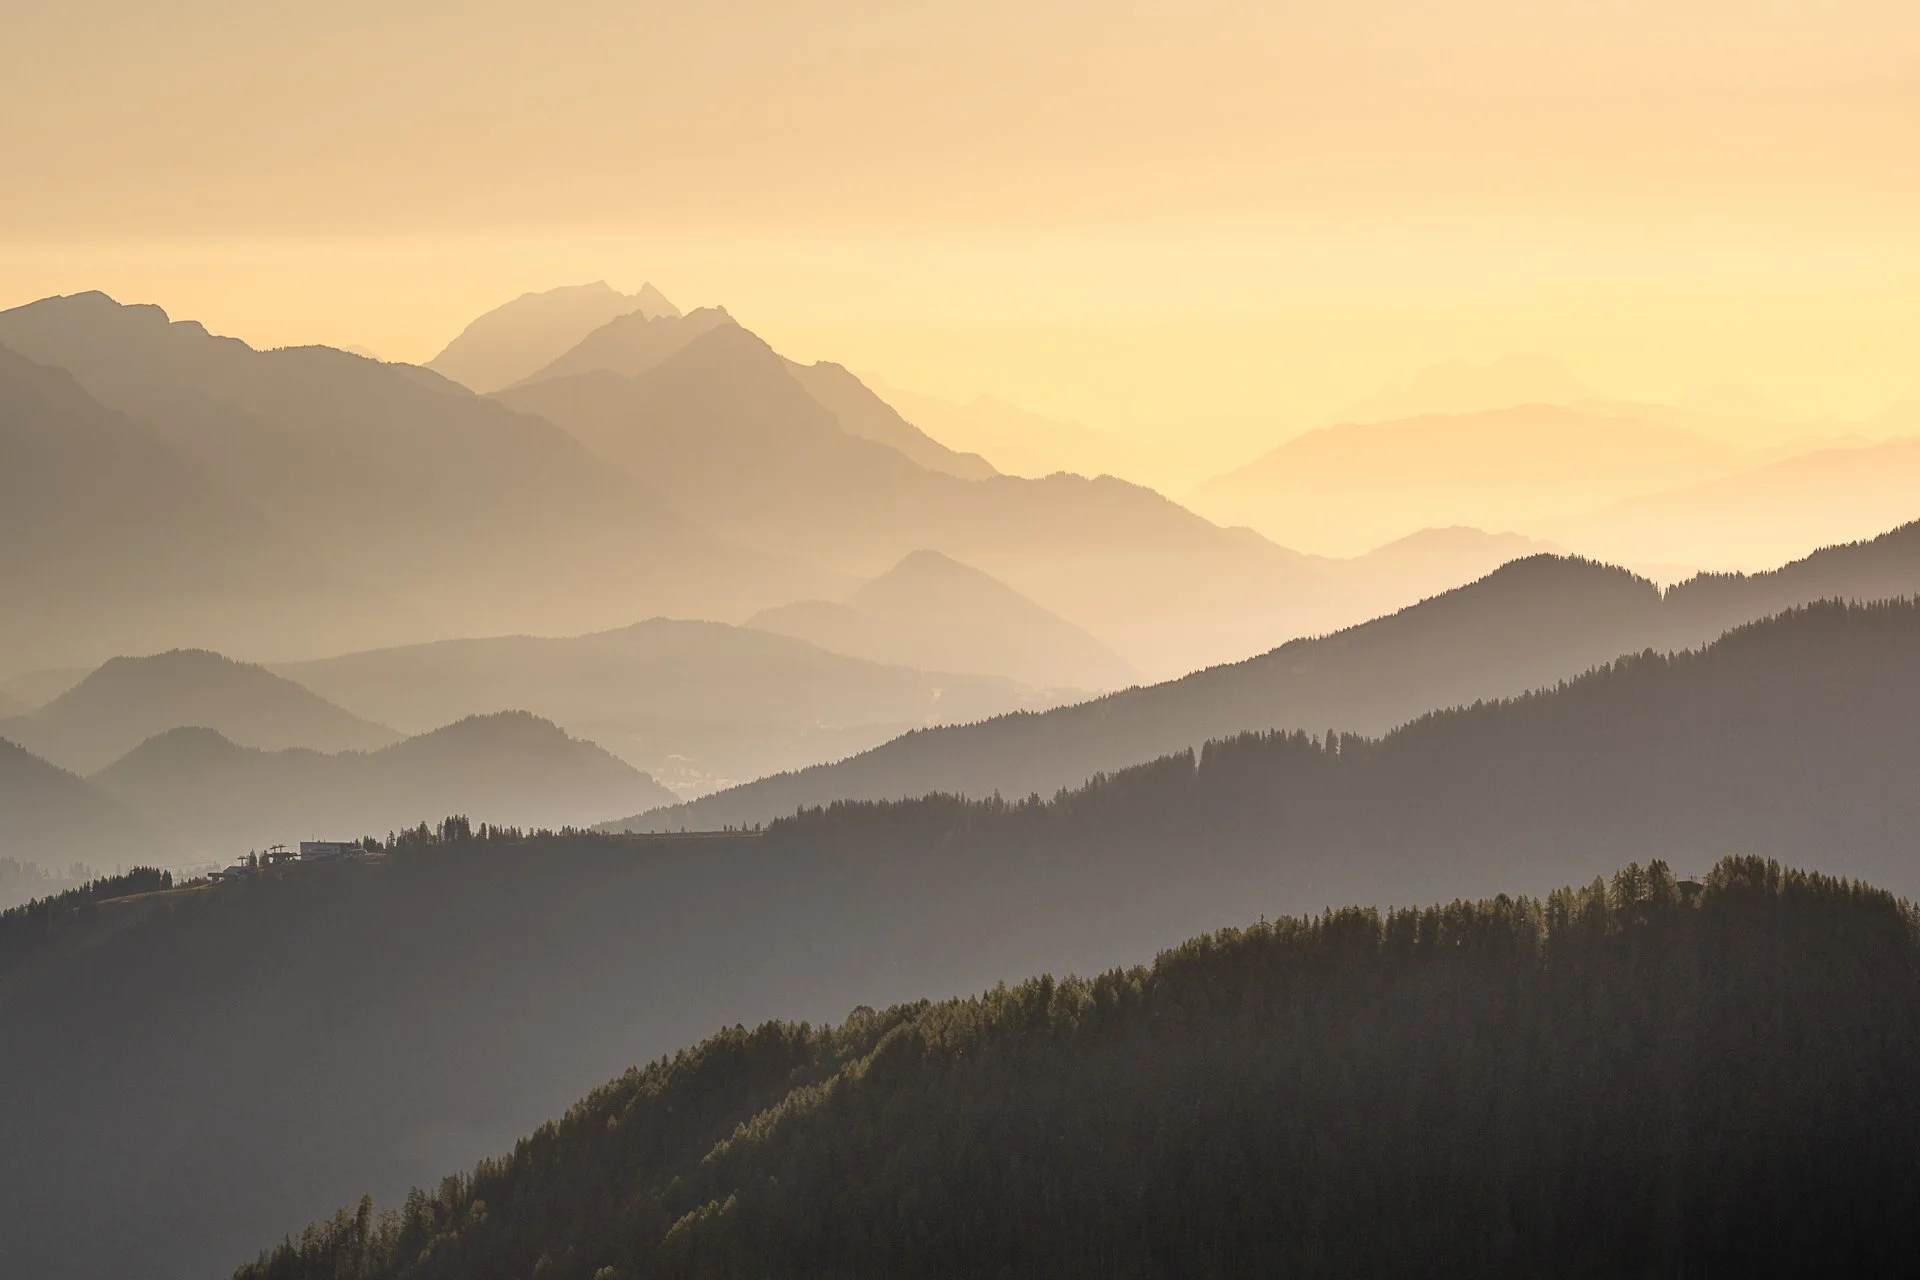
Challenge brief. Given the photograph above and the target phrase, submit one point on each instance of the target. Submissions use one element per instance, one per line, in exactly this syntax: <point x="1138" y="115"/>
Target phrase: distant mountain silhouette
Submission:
<point x="1527" y="625"/>
<point x="1761" y="516"/>
<point x="934" y="613"/>
<point x="1424" y="564"/>
<point x="479" y="518"/>
<point x="129" y="700"/>
<point x="52" y="817"/>
<point x="725" y="428"/>
<point x="864" y="414"/>
<point x="1015" y="440"/>
<point x="696" y="704"/>
<point x="11" y="706"/>
<point x="1344" y="488"/>
<point x="630" y="344"/>
<point x="220" y="799"/>
<point x="1464" y="387"/>
<point x="41" y="685"/>
<point x="517" y="338"/>
<point x="376" y="1024"/>
<point x="112" y="537"/>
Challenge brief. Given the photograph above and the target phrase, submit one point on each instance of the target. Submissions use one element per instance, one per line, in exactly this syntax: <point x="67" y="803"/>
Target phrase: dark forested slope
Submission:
<point x="1635" y="1078"/>
<point x="251" y="1055"/>
<point x="1528" y="624"/>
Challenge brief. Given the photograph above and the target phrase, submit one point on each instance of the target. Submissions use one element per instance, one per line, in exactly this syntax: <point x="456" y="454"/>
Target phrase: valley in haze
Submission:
<point x="998" y="640"/>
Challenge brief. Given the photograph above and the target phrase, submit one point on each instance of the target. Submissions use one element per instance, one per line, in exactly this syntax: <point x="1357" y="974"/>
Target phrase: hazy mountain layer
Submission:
<point x="1530" y="623"/>
<point x="111" y="538"/>
<point x="696" y="704"/>
<point x="1342" y="489"/>
<point x="630" y="344"/>
<point x="725" y="429"/>
<point x="129" y="700"/>
<point x="519" y="337"/>
<point x="50" y="817"/>
<point x="932" y="612"/>
<point x="250" y="1057"/>
<point x="1338" y="1071"/>
<point x="864" y="414"/>
<point x="219" y="799"/>
<point x="1759" y="516"/>
<point x="480" y="518"/>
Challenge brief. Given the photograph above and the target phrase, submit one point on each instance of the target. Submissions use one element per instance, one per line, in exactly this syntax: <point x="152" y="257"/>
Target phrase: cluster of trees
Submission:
<point x="1646" y="1076"/>
<point x="24" y="881"/>
<point x="27" y="925"/>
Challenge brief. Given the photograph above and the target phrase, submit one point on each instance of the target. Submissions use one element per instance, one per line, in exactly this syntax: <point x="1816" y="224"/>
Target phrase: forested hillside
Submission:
<point x="1640" y="1077"/>
<point x="253" y="1054"/>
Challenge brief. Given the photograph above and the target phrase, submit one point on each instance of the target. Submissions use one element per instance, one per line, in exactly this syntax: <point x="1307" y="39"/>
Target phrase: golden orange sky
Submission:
<point x="1217" y="221"/>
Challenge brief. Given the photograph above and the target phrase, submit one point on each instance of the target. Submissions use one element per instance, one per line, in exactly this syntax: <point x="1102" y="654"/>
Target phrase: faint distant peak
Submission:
<point x="520" y="337"/>
<point x="1463" y="386"/>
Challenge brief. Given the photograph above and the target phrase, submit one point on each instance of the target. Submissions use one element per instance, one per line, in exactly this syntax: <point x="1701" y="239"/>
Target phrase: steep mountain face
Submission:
<point x="1337" y="1070"/>
<point x="1528" y="624"/>
<point x="864" y="414"/>
<point x="110" y="536"/>
<point x="1761" y="516"/>
<point x="253" y="1055"/>
<point x="696" y="704"/>
<point x="519" y="337"/>
<point x="630" y="344"/>
<point x="1343" y="489"/>
<point x="724" y="428"/>
<point x="482" y="519"/>
<point x="937" y="614"/>
<point x="53" y="818"/>
<point x="129" y="700"/>
<point x="220" y="799"/>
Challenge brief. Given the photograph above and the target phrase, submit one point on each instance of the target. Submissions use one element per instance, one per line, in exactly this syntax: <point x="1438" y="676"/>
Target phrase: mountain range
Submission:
<point x="937" y="614"/>
<point x="1528" y="624"/>
<point x="52" y="817"/>
<point x="520" y="337"/>
<point x="110" y="535"/>
<point x="129" y="700"/>
<point x="1343" y="489"/>
<point x="445" y="512"/>
<point x="218" y="799"/>
<point x="468" y="990"/>
<point x="696" y="704"/>
<point x="723" y="424"/>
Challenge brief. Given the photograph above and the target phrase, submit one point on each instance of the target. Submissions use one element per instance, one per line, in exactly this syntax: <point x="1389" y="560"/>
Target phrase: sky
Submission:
<point x="1214" y="221"/>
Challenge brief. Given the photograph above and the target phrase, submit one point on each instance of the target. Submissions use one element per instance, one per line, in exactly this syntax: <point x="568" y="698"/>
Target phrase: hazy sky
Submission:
<point x="1208" y="218"/>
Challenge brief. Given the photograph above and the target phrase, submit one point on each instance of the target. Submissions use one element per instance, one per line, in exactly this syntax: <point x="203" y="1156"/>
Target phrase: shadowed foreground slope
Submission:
<point x="246" y="1057"/>
<point x="1641" y="1078"/>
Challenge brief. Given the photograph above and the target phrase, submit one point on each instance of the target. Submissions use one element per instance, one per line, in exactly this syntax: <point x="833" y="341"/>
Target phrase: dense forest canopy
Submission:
<point x="1637" y="1077"/>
